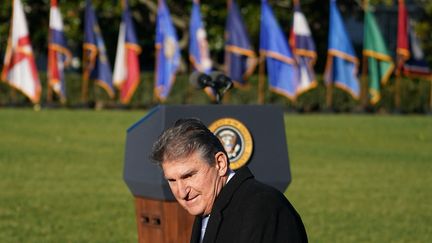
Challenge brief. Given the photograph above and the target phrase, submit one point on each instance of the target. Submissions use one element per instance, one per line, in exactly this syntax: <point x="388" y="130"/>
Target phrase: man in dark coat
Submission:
<point x="229" y="206"/>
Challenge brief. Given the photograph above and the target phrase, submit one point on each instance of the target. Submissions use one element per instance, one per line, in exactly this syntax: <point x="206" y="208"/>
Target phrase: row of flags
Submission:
<point x="289" y="61"/>
<point x="378" y="65"/>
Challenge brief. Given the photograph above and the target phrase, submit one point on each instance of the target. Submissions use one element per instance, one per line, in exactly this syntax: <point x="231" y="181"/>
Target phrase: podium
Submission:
<point x="253" y="135"/>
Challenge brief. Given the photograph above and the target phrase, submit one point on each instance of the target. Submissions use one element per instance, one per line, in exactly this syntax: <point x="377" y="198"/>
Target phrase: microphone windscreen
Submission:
<point x="221" y="79"/>
<point x="217" y="76"/>
<point x="199" y="80"/>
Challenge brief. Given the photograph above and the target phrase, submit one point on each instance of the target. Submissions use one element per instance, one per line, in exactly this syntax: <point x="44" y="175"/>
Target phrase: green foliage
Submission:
<point x="355" y="178"/>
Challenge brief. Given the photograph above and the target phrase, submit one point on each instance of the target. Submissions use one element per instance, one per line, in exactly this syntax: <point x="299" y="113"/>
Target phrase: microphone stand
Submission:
<point x="219" y="97"/>
<point x="220" y="93"/>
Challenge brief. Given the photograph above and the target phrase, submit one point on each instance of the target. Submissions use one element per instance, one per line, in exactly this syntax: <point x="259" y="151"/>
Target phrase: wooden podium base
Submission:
<point x="162" y="221"/>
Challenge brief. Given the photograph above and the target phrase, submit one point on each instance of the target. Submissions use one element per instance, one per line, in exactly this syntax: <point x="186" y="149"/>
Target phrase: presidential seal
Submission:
<point x="236" y="139"/>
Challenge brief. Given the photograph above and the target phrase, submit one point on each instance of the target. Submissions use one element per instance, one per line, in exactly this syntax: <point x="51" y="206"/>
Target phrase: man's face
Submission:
<point x="194" y="183"/>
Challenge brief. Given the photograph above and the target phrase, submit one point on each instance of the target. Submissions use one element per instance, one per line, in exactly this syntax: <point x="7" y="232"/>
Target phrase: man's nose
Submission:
<point x="183" y="189"/>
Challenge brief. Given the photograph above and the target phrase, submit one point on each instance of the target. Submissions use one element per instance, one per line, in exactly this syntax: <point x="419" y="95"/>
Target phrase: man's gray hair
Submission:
<point x="183" y="139"/>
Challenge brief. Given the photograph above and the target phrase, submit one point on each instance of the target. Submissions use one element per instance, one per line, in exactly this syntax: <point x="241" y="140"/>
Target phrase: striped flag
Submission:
<point x="198" y="46"/>
<point x="303" y="47"/>
<point x="19" y="69"/>
<point x="240" y="58"/>
<point x="380" y="63"/>
<point x="342" y="63"/>
<point x="416" y="65"/>
<point x="282" y="72"/>
<point x="127" y="68"/>
<point x="59" y="55"/>
<point x="167" y="52"/>
<point x="411" y="60"/>
<point x="96" y="65"/>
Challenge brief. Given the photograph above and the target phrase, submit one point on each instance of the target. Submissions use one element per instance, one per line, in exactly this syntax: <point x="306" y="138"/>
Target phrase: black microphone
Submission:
<point x="201" y="80"/>
<point x="221" y="80"/>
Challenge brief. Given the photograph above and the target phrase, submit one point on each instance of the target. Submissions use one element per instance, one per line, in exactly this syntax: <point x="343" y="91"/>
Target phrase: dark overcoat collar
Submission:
<point x="221" y="202"/>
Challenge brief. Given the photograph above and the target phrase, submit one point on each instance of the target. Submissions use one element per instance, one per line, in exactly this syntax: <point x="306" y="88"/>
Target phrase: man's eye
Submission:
<point x="188" y="176"/>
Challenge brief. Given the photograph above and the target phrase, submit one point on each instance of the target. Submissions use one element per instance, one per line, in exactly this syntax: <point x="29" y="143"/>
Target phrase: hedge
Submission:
<point x="415" y="96"/>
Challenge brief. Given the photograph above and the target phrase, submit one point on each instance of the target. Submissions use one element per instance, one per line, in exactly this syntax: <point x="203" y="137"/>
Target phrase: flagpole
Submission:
<point x="261" y="79"/>
<point x="364" y="83"/>
<point x="84" y="88"/>
<point x="155" y="74"/>
<point x="227" y="63"/>
<point x="329" y="91"/>
<point x="13" y="90"/>
<point x="329" y="96"/>
<point x="226" y="54"/>
<point x="49" y="90"/>
<point x="122" y="6"/>
<point x="329" y="82"/>
<point x="227" y="59"/>
<point x="430" y="95"/>
<point x="155" y="96"/>
<point x="397" y="90"/>
<point x="397" y="98"/>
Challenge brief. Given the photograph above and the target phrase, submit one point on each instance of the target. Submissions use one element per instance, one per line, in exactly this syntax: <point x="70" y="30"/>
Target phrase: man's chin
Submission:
<point x="193" y="211"/>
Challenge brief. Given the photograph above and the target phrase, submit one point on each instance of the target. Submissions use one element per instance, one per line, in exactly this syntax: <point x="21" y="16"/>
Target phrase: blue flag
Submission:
<point x="342" y="63"/>
<point x="198" y="46"/>
<point x="168" y="52"/>
<point x="96" y="65"/>
<point x="240" y="58"/>
<point x="280" y="61"/>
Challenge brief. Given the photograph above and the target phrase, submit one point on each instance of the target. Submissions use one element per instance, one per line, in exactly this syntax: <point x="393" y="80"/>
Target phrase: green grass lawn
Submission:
<point x="355" y="178"/>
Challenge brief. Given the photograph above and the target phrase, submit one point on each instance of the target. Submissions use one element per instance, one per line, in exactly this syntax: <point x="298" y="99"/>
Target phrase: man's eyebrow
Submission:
<point x="188" y="174"/>
<point x="183" y="176"/>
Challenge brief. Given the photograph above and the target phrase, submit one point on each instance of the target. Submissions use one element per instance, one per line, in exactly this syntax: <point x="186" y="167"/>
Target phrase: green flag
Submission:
<point x="380" y="63"/>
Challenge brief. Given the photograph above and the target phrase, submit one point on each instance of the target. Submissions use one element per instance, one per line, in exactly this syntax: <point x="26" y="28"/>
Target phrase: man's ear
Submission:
<point x="221" y="163"/>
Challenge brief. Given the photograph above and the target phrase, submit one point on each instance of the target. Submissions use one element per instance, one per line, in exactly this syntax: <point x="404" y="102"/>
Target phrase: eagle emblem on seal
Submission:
<point x="236" y="139"/>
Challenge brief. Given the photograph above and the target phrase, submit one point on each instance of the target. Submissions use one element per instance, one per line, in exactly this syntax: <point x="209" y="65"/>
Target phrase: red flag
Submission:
<point x="402" y="49"/>
<point x="19" y="69"/>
